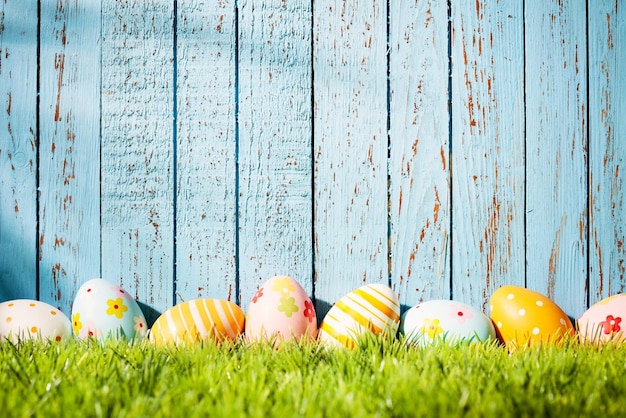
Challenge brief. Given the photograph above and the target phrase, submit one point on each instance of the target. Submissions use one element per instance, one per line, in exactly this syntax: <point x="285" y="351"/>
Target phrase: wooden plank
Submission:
<point x="350" y="147"/>
<point x="69" y="235"/>
<point x="137" y="150"/>
<point x="206" y="208"/>
<point x="556" y="151"/>
<point x="607" y="149"/>
<point x="18" y="154"/>
<point x="487" y="148"/>
<point x="274" y="143"/>
<point x="419" y="166"/>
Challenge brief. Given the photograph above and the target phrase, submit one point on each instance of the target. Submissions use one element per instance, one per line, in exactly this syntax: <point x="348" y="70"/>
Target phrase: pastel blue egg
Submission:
<point x="104" y="310"/>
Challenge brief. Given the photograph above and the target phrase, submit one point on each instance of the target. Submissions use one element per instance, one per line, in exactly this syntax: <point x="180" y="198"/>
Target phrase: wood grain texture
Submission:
<point x="137" y="150"/>
<point x="487" y="148"/>
<point x="206" y="169"/>
<point x="69" y="235"/>
<point x="607" y="149"/>
<point x="275" y="198"/>
<point x="350" y="147"/>
<point x="18" y="154"/>
<point x="419" y="165"/>
<point x="556" y="144"/>
<point x="194" y="149"/>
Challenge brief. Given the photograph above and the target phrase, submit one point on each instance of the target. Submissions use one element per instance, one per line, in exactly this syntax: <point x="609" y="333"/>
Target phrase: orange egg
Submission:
<point x="524" y="317"/>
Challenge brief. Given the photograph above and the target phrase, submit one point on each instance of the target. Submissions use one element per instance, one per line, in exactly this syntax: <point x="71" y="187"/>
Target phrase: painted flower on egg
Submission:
<point x="283" y="285"/>
<point x="611" y="324"/>
<point x="309" y="311"/>
<point x="257" y="295"/>
<point x="116" y="307"/>
<point x="461" y="313"/>
<point x="140" y="326"/>
<point x="431" y="327"/>
<point x="288" y="306"/>
<point x="121" y="292"/>
<point x="91" y="331"/>
<point x="76" y="324"/>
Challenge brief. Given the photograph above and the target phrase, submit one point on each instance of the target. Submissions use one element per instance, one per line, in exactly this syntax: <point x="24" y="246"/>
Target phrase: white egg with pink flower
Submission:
<point x="447" y="321"/>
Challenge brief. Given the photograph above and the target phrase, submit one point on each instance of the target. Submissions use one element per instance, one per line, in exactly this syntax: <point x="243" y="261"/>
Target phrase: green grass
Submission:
<point x="380" y="378"/>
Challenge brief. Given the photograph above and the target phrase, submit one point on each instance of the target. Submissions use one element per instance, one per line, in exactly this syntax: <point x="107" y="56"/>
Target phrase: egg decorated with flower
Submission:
<point x="446" y="321"/>
<point x="103" y="310"/>
<point x="604" y="321"/>
<point x="280" y="310"/>
<point x="198" y="320"/>
<point x="372" y="309"/>
<point x="25" y="319"/>
<point x="524" y="317"/>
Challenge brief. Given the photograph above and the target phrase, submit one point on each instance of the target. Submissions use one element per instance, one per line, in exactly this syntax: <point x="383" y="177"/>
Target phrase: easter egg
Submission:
<point x="30" y="319"/>
<point x="603" y="321"/>
<point x="445" y="320"/>
<point x="371" y="308"/>
<point x="524" y="317"/>
<point x="198" y="320"/>
<point x="281" y="310"/>
<point x="102" y="309"/>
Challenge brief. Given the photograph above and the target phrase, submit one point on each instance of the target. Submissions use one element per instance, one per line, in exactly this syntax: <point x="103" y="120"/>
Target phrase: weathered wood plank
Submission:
<point x="419" y="166"/>
<point x="206" y="208"/>
<point x="487" y="148"/>
<point x="69" y="151"/>
<point x="18" y="154"/>
<point x="607" y="149"/>
<point x="274" y="143"/>
<point x="137" y="149"/>
<point x="556" y="151"/>
<point x="350" y="147"/>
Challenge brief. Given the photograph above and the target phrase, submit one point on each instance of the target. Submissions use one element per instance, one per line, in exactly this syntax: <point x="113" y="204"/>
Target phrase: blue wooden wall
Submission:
<point x="189" y="149"/>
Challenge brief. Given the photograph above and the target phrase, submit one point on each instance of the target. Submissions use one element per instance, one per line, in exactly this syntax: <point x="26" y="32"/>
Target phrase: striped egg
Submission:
<point x="372" y="307"/>
<point x="198" y="320"/>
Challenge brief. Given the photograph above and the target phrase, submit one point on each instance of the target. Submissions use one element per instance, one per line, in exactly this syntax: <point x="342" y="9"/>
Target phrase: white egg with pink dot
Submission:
<point x="446" y="321"/>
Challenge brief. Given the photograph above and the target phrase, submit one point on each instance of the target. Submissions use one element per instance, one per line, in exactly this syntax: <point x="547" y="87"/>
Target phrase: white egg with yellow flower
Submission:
<point x="104" y="310"/>
<point x="446" y="321"/>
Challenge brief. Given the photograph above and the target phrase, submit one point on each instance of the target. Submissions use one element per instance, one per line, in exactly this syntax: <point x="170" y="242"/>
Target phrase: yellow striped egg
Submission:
<point x="372" y="307"/>
<point x="198" y="320"/>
